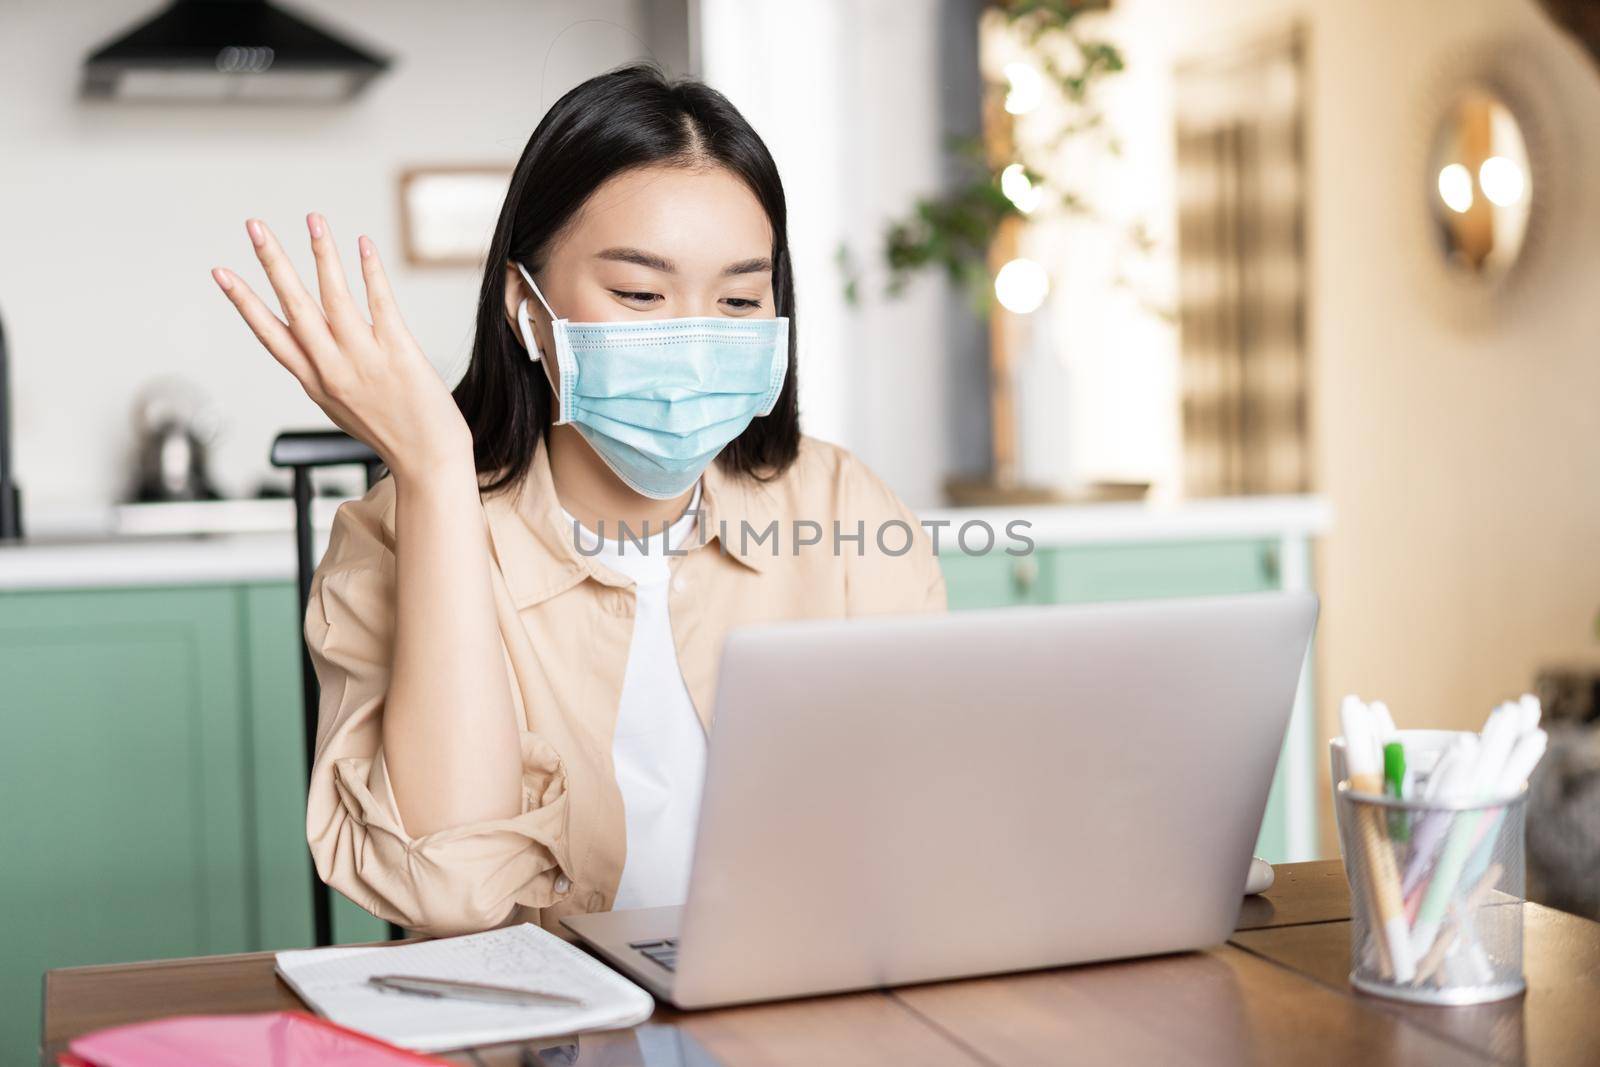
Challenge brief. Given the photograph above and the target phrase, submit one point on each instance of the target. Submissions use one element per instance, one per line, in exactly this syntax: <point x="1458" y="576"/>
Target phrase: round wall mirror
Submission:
<point x="1482" y="185"/>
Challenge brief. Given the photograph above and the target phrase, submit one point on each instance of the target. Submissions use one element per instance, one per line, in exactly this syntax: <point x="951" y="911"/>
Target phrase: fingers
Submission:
<point x="386" y="321"/>
<point x="337" y="304"/>
<point x="301" y="313"/>
<point x="270" y="330"/>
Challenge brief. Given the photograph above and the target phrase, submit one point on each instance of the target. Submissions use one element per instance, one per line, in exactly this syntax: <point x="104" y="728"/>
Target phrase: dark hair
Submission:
<point x="628" y="117"/>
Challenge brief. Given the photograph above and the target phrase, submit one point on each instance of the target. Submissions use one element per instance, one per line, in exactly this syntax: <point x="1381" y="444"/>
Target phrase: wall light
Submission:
<point x="1501" y="180"/>
<point x="1455" y="187"/>
<point x="1021" y="286"/>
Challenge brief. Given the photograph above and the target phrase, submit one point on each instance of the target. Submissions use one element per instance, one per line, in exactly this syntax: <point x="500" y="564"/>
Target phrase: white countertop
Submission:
<point x="213" y="543"/>
<point x="1193" y="520"/>
<point x="252" y="540"/>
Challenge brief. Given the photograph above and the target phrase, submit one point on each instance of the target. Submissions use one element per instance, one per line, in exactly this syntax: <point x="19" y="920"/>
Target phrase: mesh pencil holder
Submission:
<point x="1436" y="891"/>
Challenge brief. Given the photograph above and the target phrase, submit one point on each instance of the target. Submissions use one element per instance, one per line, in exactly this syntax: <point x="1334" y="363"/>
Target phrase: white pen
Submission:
<point x="1383" y="721"/>
<point x="1525" y="755"/>
<point x="1448" y="781"/>
<point x="1450" y="774"/>
<point x="1499" y="734"/>
<point x="1530" y="712"/>
<point x="1364" y="767"/>
<point x="420" y="985"/>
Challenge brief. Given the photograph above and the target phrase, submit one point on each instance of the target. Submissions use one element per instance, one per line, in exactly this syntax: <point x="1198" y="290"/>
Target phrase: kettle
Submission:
<point x="174" y="429"/>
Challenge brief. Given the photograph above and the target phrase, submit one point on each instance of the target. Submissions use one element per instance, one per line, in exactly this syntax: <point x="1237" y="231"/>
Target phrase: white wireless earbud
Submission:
<point x="529" y="341"/>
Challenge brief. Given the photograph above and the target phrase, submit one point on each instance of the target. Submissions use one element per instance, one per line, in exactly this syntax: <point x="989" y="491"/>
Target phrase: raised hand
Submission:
<point x="371" y="378"/>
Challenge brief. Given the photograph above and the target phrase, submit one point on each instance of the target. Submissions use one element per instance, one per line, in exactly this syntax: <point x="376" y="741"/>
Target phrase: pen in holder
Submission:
<point x="1423" y="746"/>
<point x="1436" y="891"/>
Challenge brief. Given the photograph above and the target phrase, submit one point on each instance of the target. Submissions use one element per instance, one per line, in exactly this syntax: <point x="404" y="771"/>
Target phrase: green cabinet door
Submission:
<point x="282" y="863"/>
<point x="993" y="580"/>
<point x="125" y="834"/>
<point x="1086" y="573"/>
<point x="152" y="780"/>
<point x="1078" y="574"/>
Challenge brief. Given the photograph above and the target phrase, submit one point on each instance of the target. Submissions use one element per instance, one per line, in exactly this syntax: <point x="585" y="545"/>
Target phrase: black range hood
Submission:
<point x="10" y="495"/>
<point x="225" y="51"/>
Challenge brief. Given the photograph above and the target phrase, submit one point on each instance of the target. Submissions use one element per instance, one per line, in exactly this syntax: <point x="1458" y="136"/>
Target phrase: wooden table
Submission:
<point x="1275" y="993"/>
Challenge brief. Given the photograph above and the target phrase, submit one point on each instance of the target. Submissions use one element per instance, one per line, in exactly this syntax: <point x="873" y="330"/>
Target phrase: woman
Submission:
<point x="514" y="701"/>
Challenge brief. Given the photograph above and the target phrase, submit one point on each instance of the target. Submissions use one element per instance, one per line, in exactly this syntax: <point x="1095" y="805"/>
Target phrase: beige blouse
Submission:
<point x="825" y="539"/>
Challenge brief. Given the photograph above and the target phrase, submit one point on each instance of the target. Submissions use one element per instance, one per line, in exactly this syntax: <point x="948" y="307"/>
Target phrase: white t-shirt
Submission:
<point x="659" y="748"/>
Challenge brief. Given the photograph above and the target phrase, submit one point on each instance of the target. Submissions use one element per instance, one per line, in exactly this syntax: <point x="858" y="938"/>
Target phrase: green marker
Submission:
<point x="1394" y="778"/>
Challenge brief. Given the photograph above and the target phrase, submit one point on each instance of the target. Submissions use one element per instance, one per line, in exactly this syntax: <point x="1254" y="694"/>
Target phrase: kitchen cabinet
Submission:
<point x="125" y="826"/>
<point x="152" y="782"/>
<point x="1079" y="574"/>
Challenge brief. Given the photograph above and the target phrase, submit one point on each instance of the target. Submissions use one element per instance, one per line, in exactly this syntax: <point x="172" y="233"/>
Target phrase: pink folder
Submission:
<point x="269" y="1039"/>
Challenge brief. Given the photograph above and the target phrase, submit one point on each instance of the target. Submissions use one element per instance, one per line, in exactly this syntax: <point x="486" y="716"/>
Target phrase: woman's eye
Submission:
<point x="737" y="303"/>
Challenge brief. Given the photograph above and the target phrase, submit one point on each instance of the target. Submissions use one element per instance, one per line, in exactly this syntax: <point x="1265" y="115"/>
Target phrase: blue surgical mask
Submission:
<point x="657" y="399"/>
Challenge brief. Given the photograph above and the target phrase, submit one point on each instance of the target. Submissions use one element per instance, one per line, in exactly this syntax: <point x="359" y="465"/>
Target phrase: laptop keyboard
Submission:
<point x="663" y="952"/>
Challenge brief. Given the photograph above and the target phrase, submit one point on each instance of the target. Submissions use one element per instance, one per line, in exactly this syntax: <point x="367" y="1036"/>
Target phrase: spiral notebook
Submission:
<point x="333" y="981"/>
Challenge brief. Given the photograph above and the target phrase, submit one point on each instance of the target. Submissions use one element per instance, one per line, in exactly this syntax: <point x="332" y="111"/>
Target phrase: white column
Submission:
<point x="1300" y="747"/>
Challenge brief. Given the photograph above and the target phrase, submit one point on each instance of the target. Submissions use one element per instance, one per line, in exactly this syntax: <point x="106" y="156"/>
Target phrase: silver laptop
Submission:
<point x="909" y="798"/>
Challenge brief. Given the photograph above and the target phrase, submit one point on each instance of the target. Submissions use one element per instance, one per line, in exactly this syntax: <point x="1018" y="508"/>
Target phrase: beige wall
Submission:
<point x="1463" y="465"/>
<point x="1462" y="458"/>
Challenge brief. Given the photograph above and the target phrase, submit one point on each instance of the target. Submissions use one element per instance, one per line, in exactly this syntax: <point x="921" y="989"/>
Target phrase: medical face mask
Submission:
<point x="657" y="399"/>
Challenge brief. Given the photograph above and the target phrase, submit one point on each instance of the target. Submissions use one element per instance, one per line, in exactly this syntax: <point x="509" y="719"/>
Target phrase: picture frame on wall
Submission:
<point x="448" y="212"/>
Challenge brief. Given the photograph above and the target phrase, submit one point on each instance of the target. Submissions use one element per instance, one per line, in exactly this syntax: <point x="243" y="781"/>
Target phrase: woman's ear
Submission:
<point x="513" y="295"/>
<point x="516" y="293"/>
